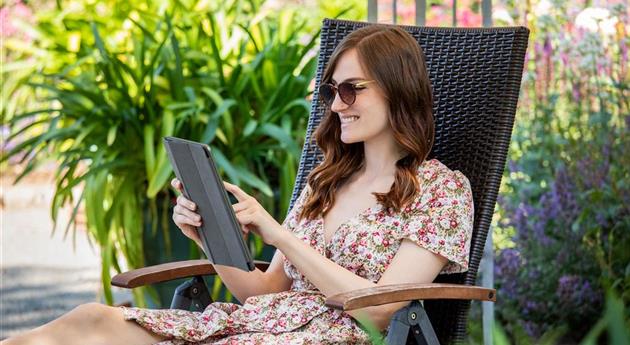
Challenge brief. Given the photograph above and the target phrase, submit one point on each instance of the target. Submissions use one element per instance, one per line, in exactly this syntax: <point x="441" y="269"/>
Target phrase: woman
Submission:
<point x="374" y="212"/>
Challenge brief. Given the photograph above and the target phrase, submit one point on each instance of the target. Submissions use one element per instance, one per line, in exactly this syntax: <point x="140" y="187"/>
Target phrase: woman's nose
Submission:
<point x="337" y="104"/>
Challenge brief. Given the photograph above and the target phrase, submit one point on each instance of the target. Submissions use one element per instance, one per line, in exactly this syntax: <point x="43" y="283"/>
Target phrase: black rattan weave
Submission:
<point x="476" y="75"/>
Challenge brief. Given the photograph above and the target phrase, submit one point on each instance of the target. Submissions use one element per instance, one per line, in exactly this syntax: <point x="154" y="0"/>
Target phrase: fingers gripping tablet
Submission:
<point x="220" y="231"/>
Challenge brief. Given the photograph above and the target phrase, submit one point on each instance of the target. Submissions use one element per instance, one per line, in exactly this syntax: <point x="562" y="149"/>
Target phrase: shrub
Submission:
<point x="566" y="201"/>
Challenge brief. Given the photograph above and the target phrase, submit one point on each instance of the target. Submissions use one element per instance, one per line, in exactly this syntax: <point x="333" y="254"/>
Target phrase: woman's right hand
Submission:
<point x="184" y="214"/>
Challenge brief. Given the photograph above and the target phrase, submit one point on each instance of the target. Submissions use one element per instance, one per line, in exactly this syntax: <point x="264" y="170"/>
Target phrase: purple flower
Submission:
<point x="564" y="198"/>
<point x="531" y="328"/>
<point x="577" y="294"/>
<point x="521" y="219"/>
<point x="594" y="170"/>
<point x="507" y="266"/>
<point x="547" y="50"/>
<point x="513" y="166"/>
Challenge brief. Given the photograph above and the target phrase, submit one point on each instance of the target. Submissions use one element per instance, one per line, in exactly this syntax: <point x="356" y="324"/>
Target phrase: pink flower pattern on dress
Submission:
<point x="439" y="220"/>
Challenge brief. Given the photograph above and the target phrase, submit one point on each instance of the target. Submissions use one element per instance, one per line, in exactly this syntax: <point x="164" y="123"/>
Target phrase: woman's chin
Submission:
<point x="347" y="139"/>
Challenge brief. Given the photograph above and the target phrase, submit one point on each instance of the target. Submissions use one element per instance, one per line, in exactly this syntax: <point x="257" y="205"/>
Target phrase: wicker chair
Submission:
<point x="476" y="75"/>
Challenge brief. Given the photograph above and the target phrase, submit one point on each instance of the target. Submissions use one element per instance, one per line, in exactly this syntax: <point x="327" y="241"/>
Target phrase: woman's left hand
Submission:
<point x="253" y="217"/>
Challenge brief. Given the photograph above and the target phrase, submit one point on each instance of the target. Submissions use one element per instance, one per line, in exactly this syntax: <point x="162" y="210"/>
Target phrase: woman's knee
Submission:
<point x="91" y="314"/>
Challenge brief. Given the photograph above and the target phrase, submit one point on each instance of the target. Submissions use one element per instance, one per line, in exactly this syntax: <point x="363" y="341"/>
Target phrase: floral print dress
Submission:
<point x="439" y="220"/>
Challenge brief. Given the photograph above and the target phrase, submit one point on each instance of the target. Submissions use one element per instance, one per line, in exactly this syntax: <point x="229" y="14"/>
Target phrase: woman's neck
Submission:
<point x="380" y="159"/>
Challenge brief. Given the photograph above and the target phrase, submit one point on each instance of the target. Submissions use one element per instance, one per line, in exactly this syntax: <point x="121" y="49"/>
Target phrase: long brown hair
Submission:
<point x="394" y="59"/>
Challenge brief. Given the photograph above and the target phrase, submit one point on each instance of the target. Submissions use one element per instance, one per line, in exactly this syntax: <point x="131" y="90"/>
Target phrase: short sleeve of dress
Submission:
<point x="441" y="218"/>
<point x="290" y="222"/>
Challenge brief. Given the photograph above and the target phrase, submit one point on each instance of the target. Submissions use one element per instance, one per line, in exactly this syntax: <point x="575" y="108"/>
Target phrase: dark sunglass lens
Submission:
<point x="327" y="93"/>
<point x="347" y="93"/>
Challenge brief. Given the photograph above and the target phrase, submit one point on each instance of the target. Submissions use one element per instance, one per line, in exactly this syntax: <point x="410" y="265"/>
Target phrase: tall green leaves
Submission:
<point x="233" y="75"/>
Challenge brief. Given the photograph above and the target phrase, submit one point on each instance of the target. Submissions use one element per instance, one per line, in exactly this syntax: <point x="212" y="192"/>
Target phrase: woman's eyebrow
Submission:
<point x="347" y="80"/>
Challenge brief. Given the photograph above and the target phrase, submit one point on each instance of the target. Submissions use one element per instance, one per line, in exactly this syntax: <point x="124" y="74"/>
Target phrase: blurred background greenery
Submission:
<point x="94" y="85"/>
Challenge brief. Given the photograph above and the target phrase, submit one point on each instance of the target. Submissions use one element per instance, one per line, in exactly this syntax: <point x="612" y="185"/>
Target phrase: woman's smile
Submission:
<point x="347" y="120"/>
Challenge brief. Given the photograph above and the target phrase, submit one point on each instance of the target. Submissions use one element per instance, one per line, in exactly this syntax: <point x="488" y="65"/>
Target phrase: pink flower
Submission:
<point x="11" y="13"/>
<point x="467" y="18"/>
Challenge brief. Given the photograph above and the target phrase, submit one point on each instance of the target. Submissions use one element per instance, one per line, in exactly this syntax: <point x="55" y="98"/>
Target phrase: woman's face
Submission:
<point x="371" y="106"/>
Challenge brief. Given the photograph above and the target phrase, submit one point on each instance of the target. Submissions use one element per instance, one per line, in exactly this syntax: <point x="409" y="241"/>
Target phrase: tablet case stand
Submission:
<point x="220" y="232"/>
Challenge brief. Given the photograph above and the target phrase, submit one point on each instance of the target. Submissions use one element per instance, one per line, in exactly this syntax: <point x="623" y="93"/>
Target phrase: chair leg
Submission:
<point x="192" y="295"/>
<point x="411" y="325"/>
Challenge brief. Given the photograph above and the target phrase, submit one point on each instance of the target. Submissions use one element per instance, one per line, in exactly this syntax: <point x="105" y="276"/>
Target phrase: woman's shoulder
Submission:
<point x="432" y="170"/>
<point x="438" y="179"/>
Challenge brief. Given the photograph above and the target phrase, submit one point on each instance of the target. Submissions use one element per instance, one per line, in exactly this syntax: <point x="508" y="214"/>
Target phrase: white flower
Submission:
<point x="501" y="15"/>
<point x="596" y="19"/>
<point x="543" y="8"/>
<point x="445" y="223"/>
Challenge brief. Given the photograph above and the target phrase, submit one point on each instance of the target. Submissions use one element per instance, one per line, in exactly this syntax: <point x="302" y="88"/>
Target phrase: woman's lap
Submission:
<point x="112" y="326"/>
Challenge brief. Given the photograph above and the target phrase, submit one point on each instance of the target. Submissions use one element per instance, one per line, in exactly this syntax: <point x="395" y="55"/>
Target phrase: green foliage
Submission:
<point x="564" y="204"/>
<point x="115" y="78"/>
<point x="611" y="328"/>
<point x="376" y="337"/>
<point x="613" y="324"/>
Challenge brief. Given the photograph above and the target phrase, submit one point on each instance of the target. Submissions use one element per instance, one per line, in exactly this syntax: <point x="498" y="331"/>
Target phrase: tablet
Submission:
<point x="220" y="232"/>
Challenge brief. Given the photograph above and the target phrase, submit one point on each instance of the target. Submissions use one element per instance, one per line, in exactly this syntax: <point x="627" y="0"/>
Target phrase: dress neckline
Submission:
<point x="322" y="225"/>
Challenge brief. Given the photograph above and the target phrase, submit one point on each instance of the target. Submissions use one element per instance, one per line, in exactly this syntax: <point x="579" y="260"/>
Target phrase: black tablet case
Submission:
<point x="220" y="231"/>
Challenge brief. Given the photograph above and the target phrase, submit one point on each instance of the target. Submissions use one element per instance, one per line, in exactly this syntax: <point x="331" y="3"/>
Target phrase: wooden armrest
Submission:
<point x="407" y="292"/>
<point x="170" y="271"/>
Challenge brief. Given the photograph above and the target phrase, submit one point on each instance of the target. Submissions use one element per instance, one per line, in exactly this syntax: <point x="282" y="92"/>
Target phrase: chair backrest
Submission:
<point x="476" y="75"/>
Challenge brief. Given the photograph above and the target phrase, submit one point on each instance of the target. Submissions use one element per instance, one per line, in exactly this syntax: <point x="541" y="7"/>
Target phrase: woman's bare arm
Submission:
<point x="240" y="283"/>
<point x="245" y="284"/>
<point x="411" y="264"/>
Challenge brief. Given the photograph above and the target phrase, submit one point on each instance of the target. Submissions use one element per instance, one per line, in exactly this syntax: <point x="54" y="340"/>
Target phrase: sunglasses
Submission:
<point x="347" y="92"/>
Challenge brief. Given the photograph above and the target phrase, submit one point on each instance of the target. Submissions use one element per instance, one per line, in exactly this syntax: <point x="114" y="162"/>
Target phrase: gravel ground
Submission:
<point x="41" y="275"/>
